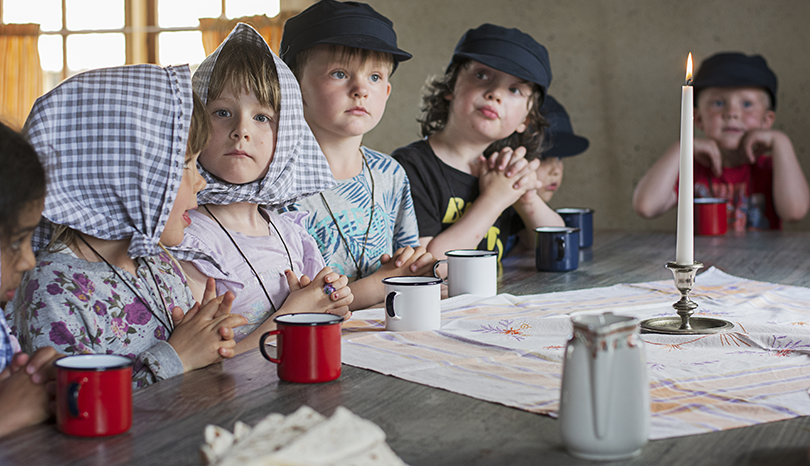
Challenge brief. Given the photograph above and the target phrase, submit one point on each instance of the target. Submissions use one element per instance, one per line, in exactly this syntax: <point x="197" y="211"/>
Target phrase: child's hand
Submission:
<point x="39" y="366"/>
<point x="327" y="292"/>
<point x="205" y="334"/>
<point x="531" y="196"/>
<point x="510" y="163"/>
<point x="503" y="190"/>
<point x="407" y="261"/>
<point x="506" y="158"/>
<point x="757" y="142"/>
<point x="22" y="401"/>
<point x="707" y="153"/>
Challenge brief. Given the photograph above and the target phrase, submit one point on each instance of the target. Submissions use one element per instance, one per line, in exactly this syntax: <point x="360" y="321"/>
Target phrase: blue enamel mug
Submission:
<point x="582" y="219"/>
<point x="556" y="248"/>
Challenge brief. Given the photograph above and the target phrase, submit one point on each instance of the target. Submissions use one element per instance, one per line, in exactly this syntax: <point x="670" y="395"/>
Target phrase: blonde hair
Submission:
<point x="199" y="132"/>
<point x="62" y="237"/>
<point x="246" y="66"/>
<point x="345" y="54"/>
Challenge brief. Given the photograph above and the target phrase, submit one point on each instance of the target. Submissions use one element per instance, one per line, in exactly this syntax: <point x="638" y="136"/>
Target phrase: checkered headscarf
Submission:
<point x="299" y="168"/>
<point x="113" y="144"/>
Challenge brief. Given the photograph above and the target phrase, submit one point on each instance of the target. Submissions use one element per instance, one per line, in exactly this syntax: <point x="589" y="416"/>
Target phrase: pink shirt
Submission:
<point x="268" y="256"/>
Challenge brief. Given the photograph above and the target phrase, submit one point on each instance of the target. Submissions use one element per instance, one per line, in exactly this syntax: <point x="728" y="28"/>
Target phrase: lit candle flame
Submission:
<point x="689" y="70"/>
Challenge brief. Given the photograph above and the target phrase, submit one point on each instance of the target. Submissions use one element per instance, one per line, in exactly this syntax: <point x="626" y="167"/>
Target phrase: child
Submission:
<point x="343" y="55"/>
<point x="735" y="99"/>
<point x="493" y="87"/>
<point x="560" y="142"/>
<point x="119" y="146"/>
<point x="261" y="154"/>
<point x="23" y="397"/>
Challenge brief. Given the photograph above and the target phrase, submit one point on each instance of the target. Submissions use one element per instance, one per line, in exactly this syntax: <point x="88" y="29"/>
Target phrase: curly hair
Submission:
<point x="534" y="143"/>
<point x="436" y="107"/>
<point x="22" y="178"/>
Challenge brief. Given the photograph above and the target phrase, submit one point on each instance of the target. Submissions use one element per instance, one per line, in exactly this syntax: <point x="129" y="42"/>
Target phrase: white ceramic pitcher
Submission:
<point x="605" y="395"/>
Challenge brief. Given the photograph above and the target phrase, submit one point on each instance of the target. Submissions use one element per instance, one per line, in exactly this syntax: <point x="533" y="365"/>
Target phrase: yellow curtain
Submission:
<point x="20" y="72"/>
<point x="215" y="30"/>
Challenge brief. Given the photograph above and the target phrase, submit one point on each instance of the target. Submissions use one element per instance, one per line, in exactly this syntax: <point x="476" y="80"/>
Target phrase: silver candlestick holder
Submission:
<point x="684" y="323"/>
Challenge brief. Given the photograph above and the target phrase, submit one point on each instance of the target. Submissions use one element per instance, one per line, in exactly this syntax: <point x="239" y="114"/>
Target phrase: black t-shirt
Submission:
<point x="441" y="195"/>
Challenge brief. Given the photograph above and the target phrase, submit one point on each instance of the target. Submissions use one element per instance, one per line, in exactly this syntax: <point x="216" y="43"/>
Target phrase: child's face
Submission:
<point x="243" y="137"/>
<point x="191" y="183"/>
<point x="725" y="114"/>
<point x="550" y="173"/>
<point x="343" y="99"/>
<point x="16" y="253"/>
<point x="488" y="104"/>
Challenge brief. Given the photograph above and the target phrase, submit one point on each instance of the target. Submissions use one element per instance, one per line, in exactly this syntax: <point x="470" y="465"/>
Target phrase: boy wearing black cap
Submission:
<point x="741" y="159"/>
<point x="343" y="54"/>
<point x="493" y="87"/>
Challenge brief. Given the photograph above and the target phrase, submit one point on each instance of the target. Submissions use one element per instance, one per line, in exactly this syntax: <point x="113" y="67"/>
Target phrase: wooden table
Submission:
<point x="427" y="426"/>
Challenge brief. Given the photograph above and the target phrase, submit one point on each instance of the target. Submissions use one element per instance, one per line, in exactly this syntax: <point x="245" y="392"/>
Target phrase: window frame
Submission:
<point x="140" y="31"/>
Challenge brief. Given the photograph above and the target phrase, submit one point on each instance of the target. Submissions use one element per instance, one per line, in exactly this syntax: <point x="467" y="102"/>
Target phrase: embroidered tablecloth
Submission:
<point x="509" y="350"/>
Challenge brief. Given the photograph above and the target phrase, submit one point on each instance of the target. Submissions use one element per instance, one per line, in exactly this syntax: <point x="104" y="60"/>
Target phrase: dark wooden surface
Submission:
<point x="428" y="426"/>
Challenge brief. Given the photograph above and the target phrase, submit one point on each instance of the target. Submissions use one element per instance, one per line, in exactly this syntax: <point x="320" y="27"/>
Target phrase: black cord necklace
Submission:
<point x="169" y="325"/>
<point x="258" y="278"/>
<point x="368" y="229"/>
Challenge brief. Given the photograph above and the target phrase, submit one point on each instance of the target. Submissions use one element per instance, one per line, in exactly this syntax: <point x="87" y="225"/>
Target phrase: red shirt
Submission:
<point x="747" y="188"/>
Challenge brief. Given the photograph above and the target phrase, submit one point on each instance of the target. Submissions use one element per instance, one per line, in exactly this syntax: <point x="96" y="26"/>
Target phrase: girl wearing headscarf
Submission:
<point x="121" y="164"/>
<point x="262" y="156"/>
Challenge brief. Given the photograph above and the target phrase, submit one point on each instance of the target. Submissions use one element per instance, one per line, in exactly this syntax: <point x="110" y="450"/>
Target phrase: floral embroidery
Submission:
<point x="783" y="347"/>
<point x="505" y="327"/>
<point x="656" y="366"/>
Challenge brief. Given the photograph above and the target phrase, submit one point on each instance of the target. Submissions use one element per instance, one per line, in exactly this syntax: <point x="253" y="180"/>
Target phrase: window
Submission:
<point x="77" y="35"/>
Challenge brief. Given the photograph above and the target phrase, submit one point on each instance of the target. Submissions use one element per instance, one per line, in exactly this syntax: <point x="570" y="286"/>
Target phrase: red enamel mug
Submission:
<point x="308" y="347"/>
<point x="94" y="395"/>
<point x="711" y="216"/>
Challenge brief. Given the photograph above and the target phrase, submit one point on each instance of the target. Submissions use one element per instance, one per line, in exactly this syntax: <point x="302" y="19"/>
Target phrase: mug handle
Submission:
<point x="560" y="249"/>
<point x="436" y="270"/>
<point x="73" y="398"/>
<point x="389" y="306"/>
<point x="262" y="341"/>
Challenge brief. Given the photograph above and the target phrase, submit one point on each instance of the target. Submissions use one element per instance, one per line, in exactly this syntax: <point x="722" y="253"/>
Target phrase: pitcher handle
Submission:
<point x="601" y="388"/>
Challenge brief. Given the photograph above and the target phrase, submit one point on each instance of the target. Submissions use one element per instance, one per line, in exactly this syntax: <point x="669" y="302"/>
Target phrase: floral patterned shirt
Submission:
<point x="81" y="307"/>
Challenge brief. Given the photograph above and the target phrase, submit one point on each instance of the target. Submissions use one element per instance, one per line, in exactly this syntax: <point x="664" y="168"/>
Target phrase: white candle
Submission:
<point x="685" y="248"/>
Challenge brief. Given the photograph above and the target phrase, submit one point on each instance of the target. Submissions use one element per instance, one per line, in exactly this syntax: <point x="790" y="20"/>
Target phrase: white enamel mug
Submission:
<point x="470" y="271"/>
<point x="412" y="303"/>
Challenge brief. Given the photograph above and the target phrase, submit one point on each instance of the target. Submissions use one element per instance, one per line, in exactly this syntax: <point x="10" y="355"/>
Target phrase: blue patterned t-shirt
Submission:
<point x="393" y="226"/>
